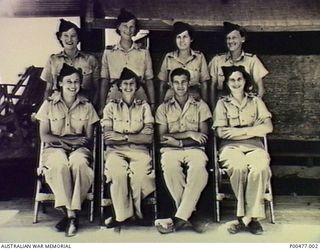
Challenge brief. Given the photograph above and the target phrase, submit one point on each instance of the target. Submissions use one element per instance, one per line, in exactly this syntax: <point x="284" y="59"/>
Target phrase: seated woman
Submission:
<point x="128" y="127"/>
<point x="240" y="120"/>
<point x="184" y="57"/>
<point x="66" y="126"/>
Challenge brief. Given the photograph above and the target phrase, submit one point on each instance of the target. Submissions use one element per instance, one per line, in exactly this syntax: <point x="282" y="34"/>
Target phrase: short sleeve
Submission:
<point x="204" y="111"/>
<point x="147" y="115"/>
<point x="107" y="120"/>
<point x="263" y="112"/>
<point x="213" y="69"/>
<point x="258" y="70"/>
<point x="43" y="112"/>
<point x="161" y="117"/>
<point x="163" y="74"/>
<point x="46" y="74"/>
<point x="204" y="73"/>
<point x="104" y="65"/>
<point x="92" y="114"/>
<point x="220" y="115"/>
<point x="148" y="74"/>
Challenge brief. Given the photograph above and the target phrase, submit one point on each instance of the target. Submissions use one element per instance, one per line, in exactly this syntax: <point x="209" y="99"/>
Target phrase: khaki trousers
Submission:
<point x="185" y="190"/>
<point x="249" y="172"/>
<point x="132" y="179"/>
<point x="68" y="175"/>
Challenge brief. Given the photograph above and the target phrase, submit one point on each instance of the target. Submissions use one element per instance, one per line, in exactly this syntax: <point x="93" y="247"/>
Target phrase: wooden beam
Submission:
<point x="166" y="25"/>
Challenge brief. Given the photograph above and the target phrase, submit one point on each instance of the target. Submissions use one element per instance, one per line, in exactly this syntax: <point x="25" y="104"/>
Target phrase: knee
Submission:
<point x="78" y="162"/>
<point x="115" y="168"/>
<point x="169" y="161"/>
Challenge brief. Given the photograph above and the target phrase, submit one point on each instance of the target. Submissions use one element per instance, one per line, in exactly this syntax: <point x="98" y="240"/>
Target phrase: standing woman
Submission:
<point x="66" y="126"/>
<point x="186" y="58"/>
<point x="128" y="54"/>
<point x="68" y="36"/>
<point x="241" y="120"/>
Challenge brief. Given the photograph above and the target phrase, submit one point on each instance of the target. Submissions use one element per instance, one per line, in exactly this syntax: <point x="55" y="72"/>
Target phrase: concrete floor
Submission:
<point x="297" y="220"/>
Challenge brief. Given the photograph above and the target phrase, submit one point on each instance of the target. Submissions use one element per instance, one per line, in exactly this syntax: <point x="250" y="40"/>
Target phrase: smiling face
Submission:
<point x="180" y="85"/>
<point x="183" y="40"/>
<point x="236" y="83"/>
<point x="128" y="87"/>
<point x="234" y="41"/>
<point x="70" y="84"/>
<point x="69" y="39"/>
<point x="127" y="30"/>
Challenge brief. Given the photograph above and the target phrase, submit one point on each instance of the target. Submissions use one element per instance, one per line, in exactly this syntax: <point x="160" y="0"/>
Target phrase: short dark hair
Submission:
<point x="125" y="16"/>
<point x="68" y="70"/>
<point x="127" y="74"/>
<point x="227" y="72"/>
<point x="179" y="72"/>
<point x="65" y="26"/>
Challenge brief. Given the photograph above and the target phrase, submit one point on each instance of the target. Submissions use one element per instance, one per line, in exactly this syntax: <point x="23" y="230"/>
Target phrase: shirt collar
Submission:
<point x="244" y="102"/>
<point x="228" y="57"/>
<point x="63" y="54"/>
<point x="190" y="100"/>
<point x="135" y="102"/>
<point x="58" y="98"/>
<point x="175" y="55"/>
<point x="119" y="47"/>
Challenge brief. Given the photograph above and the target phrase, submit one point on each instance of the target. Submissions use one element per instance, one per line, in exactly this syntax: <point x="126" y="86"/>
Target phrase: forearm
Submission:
<point x="162" y="90"/>
<point x="48" y="90"/>
<point x="179" y="135"/>
<point x="213" y="95"/>
<point x="204" y="91"/>
<point x="140" y="138"/>
<point x="103" y="92"/>
<point x="149" y="88"/>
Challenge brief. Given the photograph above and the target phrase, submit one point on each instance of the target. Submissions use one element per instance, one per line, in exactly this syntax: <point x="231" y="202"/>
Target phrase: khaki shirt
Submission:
<point x="196" y="65"/>
<point x="127" y="120"/>
<point x="251" y="63"/>
<point x="251" y="112"/>
<point x="87" y="63"/>
<point x="114" y="59"/>
<point x="64" y="121"/>
<point x="180" y="120"/>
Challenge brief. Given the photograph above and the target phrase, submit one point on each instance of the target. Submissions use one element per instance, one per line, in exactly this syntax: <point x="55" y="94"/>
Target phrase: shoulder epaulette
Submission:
<point x="248" y="54"/>
<point x="140" y="102"/>
<point x="197" y="51"/>
<point x="115" y="100"/>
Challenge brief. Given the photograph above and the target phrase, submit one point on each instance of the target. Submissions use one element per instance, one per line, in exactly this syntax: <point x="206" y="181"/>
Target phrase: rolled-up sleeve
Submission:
<point x="163" y="74"/>
<point x="161" y="117"/>
<point x="220" y="115"/>
<point x="46" y="74"/>
<point x="107" y="120"/>
<point x="204" y="112"/>
<point x="104" y="66"/>
<point x="259" y="71"/>
<point x="43" y="112"/>
<point x="204" y="73"/>
<point x="92" y="114"/>
<point x="263" y="112"/>
<point x="148" y="74"/>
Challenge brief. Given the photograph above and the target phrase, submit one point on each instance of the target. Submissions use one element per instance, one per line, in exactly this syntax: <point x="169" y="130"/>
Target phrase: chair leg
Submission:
<point x="91" y="207"/>
<point x="272" y="220"/>
<point x="217" y="211"/>
<point x="35" y="212"/>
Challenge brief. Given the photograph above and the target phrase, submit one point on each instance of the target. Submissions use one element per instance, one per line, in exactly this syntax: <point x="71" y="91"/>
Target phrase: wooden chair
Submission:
<point x="43" y="193"/>
<point x="221" y="178"/>
<point x="105" y="198"/>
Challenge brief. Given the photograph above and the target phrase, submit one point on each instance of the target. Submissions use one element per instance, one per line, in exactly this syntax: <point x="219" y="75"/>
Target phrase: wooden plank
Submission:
<point x="166" y="25"/>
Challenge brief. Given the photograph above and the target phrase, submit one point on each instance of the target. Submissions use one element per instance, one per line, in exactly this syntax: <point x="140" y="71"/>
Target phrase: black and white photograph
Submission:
<point x="159" y="121"/>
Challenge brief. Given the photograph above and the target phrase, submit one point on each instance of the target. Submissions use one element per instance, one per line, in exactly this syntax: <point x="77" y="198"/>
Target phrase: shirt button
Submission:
<point x="67" y="124"/>
<point x="127" y="121"/>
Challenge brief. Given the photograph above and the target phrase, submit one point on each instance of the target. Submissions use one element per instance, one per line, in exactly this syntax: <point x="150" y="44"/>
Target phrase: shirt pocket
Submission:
<point x="118" y="123"/>
<point x="233" y="118"/>
<point x="79" y="122"/>
<point x="173" y="124"/>
<point x="137" y="124"/>
<point x="192" y="123"/>
<point x="57" y="123"/>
